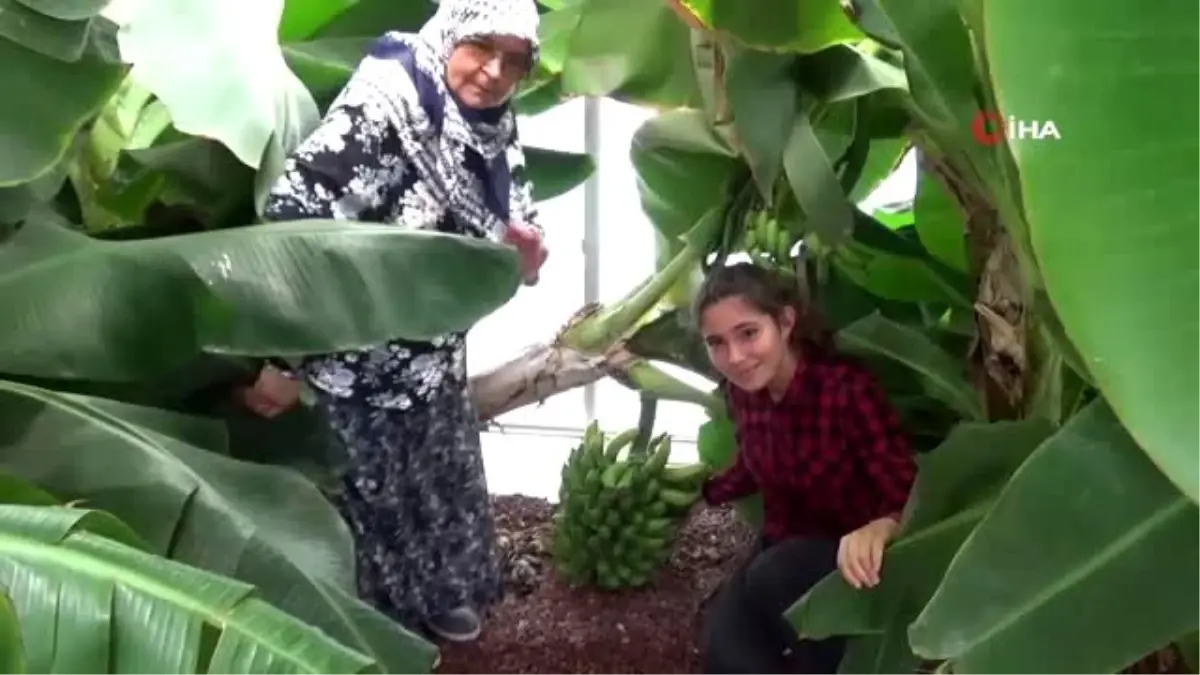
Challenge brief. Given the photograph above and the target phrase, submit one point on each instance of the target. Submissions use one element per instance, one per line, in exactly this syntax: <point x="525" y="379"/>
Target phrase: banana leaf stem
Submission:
<point x="599" y="331"/>
<point x="650" y="379"/>
<point x="641" y="442"/>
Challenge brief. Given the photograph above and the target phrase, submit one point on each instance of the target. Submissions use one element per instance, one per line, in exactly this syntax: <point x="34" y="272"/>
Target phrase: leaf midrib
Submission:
<point x="1079" y="574"/>
<point x="167" y="246"/>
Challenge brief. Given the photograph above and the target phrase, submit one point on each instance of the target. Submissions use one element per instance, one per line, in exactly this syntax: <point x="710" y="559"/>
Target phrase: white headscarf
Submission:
<point x="435" y="147"/>
<point x="431" y="47"/>
<point x="458" y="20"/>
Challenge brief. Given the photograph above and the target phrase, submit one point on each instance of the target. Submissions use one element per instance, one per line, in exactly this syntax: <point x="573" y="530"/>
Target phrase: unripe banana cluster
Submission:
<point x="617" y="518"/>
<point x="766" y="237"/>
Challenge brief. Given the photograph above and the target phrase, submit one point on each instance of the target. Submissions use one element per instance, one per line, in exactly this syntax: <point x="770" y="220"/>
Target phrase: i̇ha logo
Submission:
<point x="990" y="127"/>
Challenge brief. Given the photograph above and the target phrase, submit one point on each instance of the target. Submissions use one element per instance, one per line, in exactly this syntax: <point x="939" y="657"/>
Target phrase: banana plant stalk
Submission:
<point x="591" y="347"/>
<point x="650" y="379"/>
<point x="645" y="428"/>
<point x="609" y="326"/>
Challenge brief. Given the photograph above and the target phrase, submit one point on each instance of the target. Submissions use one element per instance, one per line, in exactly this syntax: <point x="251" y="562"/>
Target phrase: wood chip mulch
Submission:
<point x="558" y="629"/>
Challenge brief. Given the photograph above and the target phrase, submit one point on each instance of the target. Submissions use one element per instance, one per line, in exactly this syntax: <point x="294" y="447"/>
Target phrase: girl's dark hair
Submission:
<point x="769" y="293"/>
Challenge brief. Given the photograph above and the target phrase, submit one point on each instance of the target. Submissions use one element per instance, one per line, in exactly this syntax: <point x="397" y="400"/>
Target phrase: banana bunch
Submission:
<point x="765" y="237"/>
<point x="617" y="518"/>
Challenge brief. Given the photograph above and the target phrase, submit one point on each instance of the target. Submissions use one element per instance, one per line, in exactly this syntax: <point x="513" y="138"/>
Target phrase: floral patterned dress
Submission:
<point x="416" y="497"/>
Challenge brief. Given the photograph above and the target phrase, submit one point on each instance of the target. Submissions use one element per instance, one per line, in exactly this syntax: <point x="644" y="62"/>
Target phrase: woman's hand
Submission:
<point x="272" y="393"/>
<point x="860" y="553"/>
<point x="532" y="250"/>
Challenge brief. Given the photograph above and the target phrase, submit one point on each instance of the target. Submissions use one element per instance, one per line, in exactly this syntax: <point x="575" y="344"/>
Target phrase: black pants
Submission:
<point x="746" y="631"/>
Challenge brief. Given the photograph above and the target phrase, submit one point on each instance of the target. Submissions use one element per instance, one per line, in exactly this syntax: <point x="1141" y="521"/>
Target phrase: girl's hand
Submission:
<point x="532" y="250"/>
<point x="860" y="553"/>
<point x="271" y="394"/>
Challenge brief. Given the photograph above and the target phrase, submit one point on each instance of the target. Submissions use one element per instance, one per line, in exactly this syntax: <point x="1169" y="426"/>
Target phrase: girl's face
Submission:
<point x="483" y="72"/>
<point x="746" y="345"/>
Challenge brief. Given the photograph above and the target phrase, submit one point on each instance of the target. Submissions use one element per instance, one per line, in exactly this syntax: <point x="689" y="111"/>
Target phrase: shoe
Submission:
<point x="458" y="625"/>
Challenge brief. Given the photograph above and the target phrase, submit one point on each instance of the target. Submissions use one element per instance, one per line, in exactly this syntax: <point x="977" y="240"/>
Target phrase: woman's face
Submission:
<point x="483" y="72"/>
<point x="748" y="346"/>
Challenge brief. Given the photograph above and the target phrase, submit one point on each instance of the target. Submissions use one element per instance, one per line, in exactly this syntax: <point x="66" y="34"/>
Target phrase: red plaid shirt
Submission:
<point x="828" y="458"/>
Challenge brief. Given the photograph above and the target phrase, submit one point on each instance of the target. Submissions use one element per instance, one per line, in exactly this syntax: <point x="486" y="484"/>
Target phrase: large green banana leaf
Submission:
<point x="761" y="91"/>
<point x="647" y="64"/>
<point x="78" y="307"/>
<point x="942" y="76"/>
<point x="774" y="25"/>
<point x="683" y="169"/>
<point x="324" y="66"/>
<point x="1087" y="533"/>
<point x="158" y="472"/>
<point x="12" y="653"/>
<point x="297" y="438"/>
<point x="87" y="599"/>
<point x="942" y="375"/>
<point x="46" y="102"/>
<point x="300" y="20"/>
<point x="717" y="447"/>
<point x="553" y="173"/>
<point x="939" y="222"/>
<point x="893" y="266"/>
<point x="957" y="483"/>
<point x="1111" y="206"/>
<point x="372" y="17"/>
<point x="59" y="30"/>
<point x="180" y="52"/>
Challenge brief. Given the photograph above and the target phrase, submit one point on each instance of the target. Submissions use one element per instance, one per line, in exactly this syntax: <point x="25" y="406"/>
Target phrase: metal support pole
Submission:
<point x="591" y="226"/>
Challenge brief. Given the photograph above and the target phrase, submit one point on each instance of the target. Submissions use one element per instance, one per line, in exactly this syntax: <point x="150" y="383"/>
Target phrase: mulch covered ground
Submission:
<point x="557" y="629"/>
<point x="544" y="626"/>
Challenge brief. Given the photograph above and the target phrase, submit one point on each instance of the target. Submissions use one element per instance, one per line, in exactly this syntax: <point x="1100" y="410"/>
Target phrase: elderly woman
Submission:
<point x="422" y="136"/>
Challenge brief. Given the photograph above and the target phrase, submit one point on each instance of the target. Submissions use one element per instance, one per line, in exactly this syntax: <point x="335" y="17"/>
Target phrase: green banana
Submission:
<point x="655" y="546"/>
<point x="685" y="477"/>
<point x="662" y="453"/>
<point x="784" y="248"/>
<point x="593" y="444"/>
<point x="769" y="234"/>
<point x="657" y="526"/>
<point x="750" y="239"/>
<point x="612" y="474"/>
<point x="618" y="443"/>
<point x="678" y="498"/>
<point x="649" y="491"/>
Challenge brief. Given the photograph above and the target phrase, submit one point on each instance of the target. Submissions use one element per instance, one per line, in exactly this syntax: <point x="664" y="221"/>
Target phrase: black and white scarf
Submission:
<point x="404" y="75"/>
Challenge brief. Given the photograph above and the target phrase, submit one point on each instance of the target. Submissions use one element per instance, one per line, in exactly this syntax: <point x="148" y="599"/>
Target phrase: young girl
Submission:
<point x="819" y="441"/>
